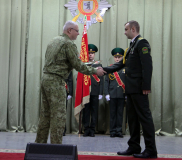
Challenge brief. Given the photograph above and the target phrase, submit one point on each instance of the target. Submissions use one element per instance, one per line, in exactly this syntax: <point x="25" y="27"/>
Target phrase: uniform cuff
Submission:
<point x="94" y="70"/>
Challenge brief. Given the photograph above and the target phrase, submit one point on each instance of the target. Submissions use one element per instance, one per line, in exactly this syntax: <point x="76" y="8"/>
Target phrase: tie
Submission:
<point x="130" y="43"/>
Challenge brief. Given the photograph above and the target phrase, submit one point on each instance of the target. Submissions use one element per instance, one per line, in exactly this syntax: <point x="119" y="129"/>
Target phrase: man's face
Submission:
<point x="117" y="58"/>
<point x="128" y="31"/>
<point x="91" y="56"/>
<point x="74" y="32"/>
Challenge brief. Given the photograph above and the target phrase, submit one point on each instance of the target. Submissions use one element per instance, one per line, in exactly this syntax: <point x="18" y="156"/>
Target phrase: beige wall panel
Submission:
<point x="14" y="72"/>
<point x="64" y="15"/>
<point x="93" y="35"/>
<point x="5" y="19"/>
<point x="167" y="122"/>
<point x="22" y="64"/>
<point x="153" y="34"/>
<point x="108" y="34"/>
<point x="160" y="25"/>
<point x="136" y="11"/>
<point x="122" y="18"/>
<point x="50" y="24"/>
<point x="176" y="62"/>
<point x="34" y="68"/>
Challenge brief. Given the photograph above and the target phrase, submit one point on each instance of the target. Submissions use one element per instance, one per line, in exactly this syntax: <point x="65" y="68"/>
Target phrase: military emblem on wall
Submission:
<point x="92" y="9"/>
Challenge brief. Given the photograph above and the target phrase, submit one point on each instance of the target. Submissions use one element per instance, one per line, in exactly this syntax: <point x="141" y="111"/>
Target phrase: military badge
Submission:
<point x="88" y="8"/>
<point x="145" y="50"/>
<point x="131" y="51"/>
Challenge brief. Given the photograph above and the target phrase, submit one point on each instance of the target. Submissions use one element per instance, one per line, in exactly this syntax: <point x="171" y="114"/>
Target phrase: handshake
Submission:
<point x="100" y="71"/>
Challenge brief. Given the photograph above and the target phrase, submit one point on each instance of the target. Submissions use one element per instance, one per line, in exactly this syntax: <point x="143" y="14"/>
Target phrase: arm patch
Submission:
<point x="145" y="50"/>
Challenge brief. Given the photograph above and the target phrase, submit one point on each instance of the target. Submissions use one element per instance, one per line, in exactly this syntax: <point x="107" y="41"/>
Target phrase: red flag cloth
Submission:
<point x="83" y="88"/>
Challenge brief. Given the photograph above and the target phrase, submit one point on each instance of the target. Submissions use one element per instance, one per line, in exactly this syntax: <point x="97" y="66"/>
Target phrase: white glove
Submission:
<point x="69" y="97"/>
<point x="108" y="97"/>
<point x="100" y="97"/>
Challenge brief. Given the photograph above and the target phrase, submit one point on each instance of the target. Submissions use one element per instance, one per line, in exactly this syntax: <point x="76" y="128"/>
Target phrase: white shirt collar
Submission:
<point x="134" y="38"/>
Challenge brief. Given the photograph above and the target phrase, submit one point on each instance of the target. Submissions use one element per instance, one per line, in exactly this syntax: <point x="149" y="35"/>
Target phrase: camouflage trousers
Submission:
<point x="53" y="109"/>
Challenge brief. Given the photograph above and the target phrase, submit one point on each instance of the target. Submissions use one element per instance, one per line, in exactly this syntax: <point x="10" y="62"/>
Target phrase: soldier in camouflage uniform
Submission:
<point x="60" y="58"/>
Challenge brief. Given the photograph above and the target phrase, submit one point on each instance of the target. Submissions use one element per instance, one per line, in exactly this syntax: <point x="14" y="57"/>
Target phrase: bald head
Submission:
<point x="71" y="29"/>
<point x="69" y="24"/>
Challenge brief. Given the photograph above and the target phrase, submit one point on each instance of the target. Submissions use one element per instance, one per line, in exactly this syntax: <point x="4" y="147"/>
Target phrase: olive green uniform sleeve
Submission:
<point x="72" y="56"/>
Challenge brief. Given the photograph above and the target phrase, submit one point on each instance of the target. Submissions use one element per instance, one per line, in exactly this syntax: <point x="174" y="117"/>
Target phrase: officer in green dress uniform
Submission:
<point x="90" y="112"/>
<point x="114" y="89"/>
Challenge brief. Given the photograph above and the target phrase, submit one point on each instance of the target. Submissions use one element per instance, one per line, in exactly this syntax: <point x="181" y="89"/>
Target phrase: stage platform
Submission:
<point x="167" y="146"/>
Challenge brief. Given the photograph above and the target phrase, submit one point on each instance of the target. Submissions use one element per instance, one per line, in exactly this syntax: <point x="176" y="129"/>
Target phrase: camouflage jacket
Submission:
<point x="62" y="56"/>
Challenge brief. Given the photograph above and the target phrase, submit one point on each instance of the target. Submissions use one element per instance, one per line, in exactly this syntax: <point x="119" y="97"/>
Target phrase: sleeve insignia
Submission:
<point x="145" y="50"/>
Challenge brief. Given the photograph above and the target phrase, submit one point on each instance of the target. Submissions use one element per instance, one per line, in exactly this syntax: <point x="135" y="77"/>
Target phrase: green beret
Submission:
<point x="92" y="48"/>
<point x="117" y="52"/>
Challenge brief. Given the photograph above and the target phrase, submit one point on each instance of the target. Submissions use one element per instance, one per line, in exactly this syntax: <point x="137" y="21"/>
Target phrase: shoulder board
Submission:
<point x="140" y="38"/>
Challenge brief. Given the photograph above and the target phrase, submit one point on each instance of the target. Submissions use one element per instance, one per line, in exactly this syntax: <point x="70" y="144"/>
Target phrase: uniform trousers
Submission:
<point x="53" y="110"/>
<point x="116" y="115"/>
<point x="139" y="113"/>
<point x="90" y="114"/>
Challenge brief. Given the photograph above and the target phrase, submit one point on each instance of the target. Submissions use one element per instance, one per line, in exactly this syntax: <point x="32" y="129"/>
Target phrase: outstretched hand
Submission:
<point x="100" y="71"/>
<point x="146" y="92"/>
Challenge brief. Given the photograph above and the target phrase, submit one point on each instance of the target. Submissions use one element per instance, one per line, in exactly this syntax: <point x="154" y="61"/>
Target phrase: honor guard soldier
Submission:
<point x="69" y="90"/>
<point x="91" y="108"/>
<point x="114" y="89"/>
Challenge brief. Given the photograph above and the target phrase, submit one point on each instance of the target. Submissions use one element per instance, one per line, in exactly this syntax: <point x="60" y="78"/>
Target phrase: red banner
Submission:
<point x="83" y="85"/>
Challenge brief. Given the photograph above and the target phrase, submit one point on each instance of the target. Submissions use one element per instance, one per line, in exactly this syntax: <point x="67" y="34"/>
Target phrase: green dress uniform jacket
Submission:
<point x="138" y="73"/>
<point x="96" y="88"/>
<point x="112" y="88"/>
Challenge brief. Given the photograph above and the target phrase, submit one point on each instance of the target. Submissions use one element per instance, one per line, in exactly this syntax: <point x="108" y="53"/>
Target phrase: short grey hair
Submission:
<point x="69" y="24"/>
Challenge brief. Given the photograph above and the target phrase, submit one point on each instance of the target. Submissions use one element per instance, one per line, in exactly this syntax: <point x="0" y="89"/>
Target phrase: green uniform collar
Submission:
<point x="65" y="35"/>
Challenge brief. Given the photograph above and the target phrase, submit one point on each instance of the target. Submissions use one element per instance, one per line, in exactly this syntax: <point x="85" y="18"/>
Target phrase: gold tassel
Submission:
<point x="124" y="56"/>
<point x="75" y="18"/>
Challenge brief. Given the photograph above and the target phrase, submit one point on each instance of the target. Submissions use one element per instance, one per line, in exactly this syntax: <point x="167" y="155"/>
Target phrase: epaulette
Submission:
<point x="140" y="38"/>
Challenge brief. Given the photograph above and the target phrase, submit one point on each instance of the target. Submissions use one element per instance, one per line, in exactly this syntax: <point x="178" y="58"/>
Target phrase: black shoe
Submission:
<point x="128" y="152"/>
<point x="119" y="135"/>
<point x="86" y="134"/>
<point x="145" y="154"/>
<point x="112" y="135"/>
<point x="64" y="134"/>
<point x="92" y="135"/>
